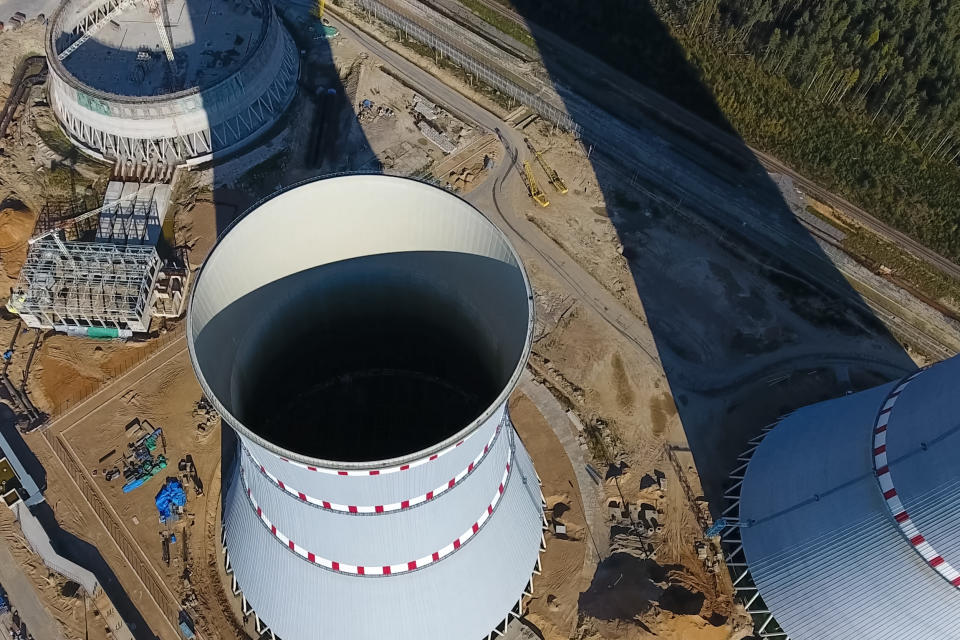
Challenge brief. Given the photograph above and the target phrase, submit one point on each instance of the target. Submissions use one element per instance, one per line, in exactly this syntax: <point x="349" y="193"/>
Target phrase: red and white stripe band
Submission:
<point x="379" y="508"/>
<point x="391" y="569"/>
<point x="897" y="510"/>
<point x="387" y="470"/>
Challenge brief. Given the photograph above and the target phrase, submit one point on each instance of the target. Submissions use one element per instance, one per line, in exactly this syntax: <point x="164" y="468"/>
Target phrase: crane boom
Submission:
<point x="92" y="29"/>
<point x="535" y="191"/>
<point x="159" y="10"/>
<point x="552" y="175"/>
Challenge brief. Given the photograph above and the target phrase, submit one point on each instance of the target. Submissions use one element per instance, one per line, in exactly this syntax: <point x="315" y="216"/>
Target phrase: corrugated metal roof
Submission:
<point x="387" y="538"/>
<point x="823" y="548"/>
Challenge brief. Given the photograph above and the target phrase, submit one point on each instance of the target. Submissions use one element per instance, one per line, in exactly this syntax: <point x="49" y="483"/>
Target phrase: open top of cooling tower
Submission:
<point x="360" y="319"/>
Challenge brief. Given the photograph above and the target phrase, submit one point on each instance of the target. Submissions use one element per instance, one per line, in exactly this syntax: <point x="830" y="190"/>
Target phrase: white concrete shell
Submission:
<point x="436" y="542"/>
<point x="147" y="134"/>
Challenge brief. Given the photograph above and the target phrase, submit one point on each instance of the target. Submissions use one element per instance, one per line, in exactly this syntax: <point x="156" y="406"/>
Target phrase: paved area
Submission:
<point x="40" y="622"/>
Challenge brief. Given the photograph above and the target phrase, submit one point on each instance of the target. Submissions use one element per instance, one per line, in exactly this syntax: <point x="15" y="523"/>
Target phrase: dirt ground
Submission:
<point x="622" y="398"/>
<point x="77" y="617"/>
<point x="553" y="609"/>
<point x="166" y="398"/>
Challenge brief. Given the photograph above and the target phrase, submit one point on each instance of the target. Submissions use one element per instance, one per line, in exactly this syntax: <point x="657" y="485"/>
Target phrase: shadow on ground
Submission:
<point x="749" y="315"/>
<point x="87" y="556"/>
<point x="19" y="448"/>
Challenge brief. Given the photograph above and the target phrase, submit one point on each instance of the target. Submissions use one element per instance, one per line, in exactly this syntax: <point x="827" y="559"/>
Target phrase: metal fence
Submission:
<point x="471" y="62"/>
<point x="80" y="391"/>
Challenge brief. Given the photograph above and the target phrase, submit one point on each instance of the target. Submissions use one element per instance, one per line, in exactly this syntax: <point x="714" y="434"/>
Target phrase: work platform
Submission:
<point x="133" y="213"/>
<point x="92" y="288"/>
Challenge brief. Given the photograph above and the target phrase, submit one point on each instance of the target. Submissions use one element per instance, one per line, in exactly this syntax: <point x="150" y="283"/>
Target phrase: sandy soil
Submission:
<point x="17" y="44"/>
<point x="77" y="617"/>
<point x="622" y="397"/>
<point x="165" y="399"/>
<point x="553" y="609"/>
<point x="16" y="224"/>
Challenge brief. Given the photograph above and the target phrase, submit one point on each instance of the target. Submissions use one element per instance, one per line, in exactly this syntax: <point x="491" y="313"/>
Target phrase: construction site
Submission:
<point x="671" y="324"/>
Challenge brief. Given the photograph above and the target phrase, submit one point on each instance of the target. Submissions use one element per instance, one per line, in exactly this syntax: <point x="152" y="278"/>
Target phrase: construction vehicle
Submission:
<point x="144" y="472"/>
<point x="532" y="187"/>
<point x="552" y="175"/>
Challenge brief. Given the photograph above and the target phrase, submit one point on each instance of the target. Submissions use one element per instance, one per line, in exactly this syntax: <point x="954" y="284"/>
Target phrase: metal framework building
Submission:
<point x="844" y="518"/>
<point x="361" y="335"/>
<point x="230" y="71"/>
<point x="67" y="285"/>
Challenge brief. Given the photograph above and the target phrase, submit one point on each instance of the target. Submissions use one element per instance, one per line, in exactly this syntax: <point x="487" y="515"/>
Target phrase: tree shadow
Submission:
<point x="750" y="316"/>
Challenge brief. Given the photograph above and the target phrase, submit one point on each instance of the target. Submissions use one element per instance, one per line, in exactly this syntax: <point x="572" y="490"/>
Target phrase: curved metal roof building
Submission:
<point x="850" y="516"/>
<point x="362" y="334"/>
<point x="152" y="84"/>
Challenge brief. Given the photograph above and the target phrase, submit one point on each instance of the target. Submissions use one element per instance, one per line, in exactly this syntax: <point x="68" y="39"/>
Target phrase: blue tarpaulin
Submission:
<point x="171" y="494"/>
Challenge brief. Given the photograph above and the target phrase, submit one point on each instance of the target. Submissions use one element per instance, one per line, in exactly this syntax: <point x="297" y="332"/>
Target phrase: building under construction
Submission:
<point x="153" y="84"/>
<point x="99" y="272"/>
<point x="94" y="288"/>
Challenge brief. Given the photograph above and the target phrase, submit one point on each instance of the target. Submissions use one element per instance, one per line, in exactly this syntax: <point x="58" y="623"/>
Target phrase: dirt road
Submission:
<point x="40" y="623"/>
<point x="506" y="177"/>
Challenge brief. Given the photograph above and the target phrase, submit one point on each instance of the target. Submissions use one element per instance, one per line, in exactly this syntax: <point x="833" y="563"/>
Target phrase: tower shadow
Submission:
<point x="750" y="315"/>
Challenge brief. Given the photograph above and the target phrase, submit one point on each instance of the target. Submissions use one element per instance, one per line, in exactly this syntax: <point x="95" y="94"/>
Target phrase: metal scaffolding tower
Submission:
<point x="78" y="284"/>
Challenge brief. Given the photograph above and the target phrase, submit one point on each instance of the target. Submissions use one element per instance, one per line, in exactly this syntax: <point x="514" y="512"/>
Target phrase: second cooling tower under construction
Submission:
<point x="849" y="516"/>
<point x="361" y="335"/>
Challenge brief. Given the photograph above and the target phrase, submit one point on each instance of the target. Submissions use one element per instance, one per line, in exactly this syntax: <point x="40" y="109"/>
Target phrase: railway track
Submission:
<point x="711" y="135"/>
<point x="31" y="71"/>
<point x="861" y="217"/>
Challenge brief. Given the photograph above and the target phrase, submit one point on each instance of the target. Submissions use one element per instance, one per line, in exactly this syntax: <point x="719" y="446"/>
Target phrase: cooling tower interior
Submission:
<point x="408" y="329"/>
<point x="362" y="334"/>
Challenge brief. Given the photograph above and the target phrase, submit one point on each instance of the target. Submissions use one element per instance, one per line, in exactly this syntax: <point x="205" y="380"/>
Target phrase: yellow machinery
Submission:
<point x="552" y="175"/>
<point x="318" y="10"/>
<point x="535" y="191"/>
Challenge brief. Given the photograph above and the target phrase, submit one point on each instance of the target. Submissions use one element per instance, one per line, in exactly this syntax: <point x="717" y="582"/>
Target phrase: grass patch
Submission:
<point x="877" y="254"/>
<point x="916" y="273"/>
<point x="500" y="22"/>
<point x="58" y="142"/>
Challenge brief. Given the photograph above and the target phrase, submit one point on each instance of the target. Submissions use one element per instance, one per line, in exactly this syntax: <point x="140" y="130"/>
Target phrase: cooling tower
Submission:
<point x="849" y="515"/>
<point x="361" y="335"/>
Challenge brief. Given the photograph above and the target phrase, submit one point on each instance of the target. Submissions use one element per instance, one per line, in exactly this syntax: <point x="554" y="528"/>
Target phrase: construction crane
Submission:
<point x="535" y="191"/>
<point x="94" y="28"/>
<point x="552" y="175"/>
<point x="158" y="9"/>
<point x="54" y="232"/>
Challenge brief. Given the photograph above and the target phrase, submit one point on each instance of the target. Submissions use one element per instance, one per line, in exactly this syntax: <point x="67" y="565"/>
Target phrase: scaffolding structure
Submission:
<point x="746" y="592"/>
<point x="86" y="285"/>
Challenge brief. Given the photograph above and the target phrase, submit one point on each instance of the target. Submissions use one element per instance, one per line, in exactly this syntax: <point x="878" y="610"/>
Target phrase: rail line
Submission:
<point x="713" y="135"/>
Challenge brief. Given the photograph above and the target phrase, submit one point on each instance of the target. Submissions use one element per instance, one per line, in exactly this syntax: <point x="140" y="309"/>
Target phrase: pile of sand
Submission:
<point x="16" y="225"/>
